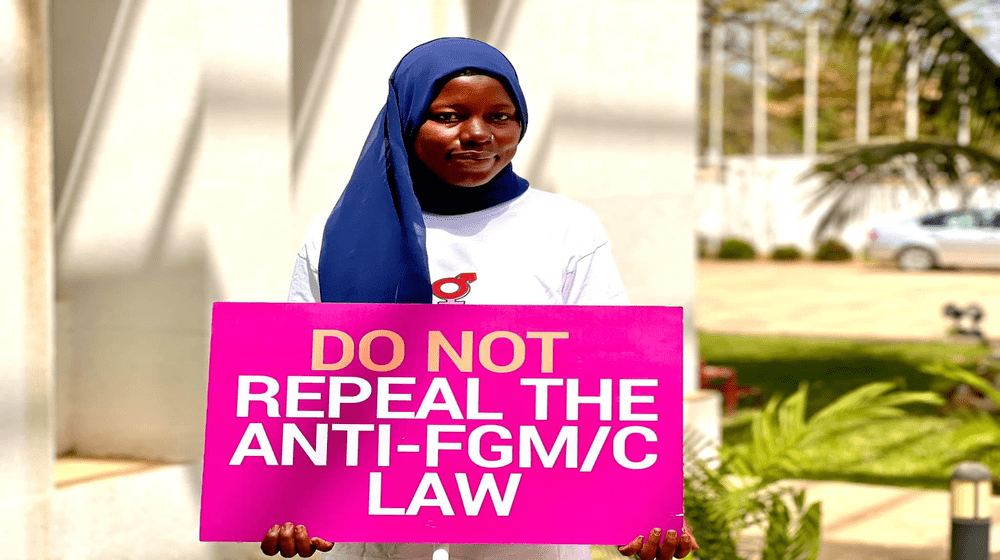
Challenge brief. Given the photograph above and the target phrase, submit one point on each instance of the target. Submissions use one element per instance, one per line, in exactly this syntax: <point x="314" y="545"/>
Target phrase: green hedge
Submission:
<point x="833" y="250"/>
<point x="786" y="253"/>
<point x="736" y="249"/>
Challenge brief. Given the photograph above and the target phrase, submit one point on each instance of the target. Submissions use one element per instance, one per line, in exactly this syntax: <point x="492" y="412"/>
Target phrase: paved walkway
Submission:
<point x="866" y="522"/>
<point x="860" y="521"/>
<point x="831" y="299"/>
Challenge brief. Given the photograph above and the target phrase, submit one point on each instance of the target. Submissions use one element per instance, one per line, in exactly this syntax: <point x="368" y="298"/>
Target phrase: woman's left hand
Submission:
<point x="673" y="546"/>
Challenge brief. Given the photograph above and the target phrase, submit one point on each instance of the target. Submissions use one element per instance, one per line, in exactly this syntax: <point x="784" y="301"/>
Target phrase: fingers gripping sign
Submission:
<point x="651" y="548"/>
<point x="289" y="540"/>
<point x="687" y="542"/>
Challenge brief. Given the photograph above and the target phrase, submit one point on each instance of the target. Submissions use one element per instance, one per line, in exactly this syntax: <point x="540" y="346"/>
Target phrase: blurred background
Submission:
<point x="817" y="117"/>
<point x="848" y="237"/>
<point x="812" y="180"/>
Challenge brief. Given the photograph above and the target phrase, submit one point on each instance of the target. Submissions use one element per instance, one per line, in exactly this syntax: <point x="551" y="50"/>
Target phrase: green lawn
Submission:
<point x="914" y="450"/>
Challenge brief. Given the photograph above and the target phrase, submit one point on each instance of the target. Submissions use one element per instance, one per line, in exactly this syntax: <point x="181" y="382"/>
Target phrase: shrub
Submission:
<point x="833" y="250"/>
<point x="745" y="489"/>
<point x="786" y="253"/>
<point x="735" y="248"/>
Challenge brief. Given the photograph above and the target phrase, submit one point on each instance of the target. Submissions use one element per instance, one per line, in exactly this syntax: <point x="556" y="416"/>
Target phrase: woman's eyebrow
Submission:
<point x="463" y="105"/>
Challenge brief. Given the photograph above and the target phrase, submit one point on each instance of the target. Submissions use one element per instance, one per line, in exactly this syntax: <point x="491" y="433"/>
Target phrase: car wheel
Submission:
<point x="915" y="258"/>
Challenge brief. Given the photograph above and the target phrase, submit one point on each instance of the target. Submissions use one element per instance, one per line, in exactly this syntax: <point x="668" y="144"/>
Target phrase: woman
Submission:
<point x="435" y="213"/>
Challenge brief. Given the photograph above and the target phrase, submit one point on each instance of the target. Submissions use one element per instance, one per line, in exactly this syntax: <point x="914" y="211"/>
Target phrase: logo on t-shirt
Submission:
<point x="458" y="287"/>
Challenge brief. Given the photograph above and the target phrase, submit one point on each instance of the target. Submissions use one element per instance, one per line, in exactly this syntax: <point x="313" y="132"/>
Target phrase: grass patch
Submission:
<point x="913" y="451"/>
<point x="832" y="367"/>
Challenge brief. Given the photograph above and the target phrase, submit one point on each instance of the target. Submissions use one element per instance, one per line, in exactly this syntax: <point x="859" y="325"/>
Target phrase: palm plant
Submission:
<point x="744" y="491"/>
<point x="956" y="72"/>
<point x="924" y="168"/>
<point x="980" y="432"/>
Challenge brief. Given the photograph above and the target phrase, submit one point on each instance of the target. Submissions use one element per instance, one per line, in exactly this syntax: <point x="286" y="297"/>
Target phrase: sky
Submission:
<point x="984" y="15"/>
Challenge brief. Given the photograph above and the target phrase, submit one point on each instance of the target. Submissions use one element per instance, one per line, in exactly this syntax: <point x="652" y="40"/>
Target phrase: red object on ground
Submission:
<point x="725" y="380"/>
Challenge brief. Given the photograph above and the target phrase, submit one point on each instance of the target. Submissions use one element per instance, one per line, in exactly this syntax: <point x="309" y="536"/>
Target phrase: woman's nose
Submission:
<point x="475" y="131"/>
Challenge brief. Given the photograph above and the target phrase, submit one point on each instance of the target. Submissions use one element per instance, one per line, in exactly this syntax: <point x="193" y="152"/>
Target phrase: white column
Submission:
<point x="355" y="46"/>
<point x="759" y="89"/>
<point x="912" y="93"/>
<point x="811" y="108"/>
<point x="246" y="169"/>
<point x="26" y="287"/>
<point x="862" y="117"/>
<point x="964" y="115"/>
<point x="449" y="15"/>
<point x="716" y="91"/>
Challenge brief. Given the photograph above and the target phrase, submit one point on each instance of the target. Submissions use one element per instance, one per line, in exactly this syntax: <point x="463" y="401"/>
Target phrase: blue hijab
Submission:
<point x="374" y="244"/>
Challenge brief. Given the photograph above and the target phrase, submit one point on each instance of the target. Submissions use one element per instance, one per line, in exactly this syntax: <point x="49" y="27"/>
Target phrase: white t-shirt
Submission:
<point x="537" y="249"/>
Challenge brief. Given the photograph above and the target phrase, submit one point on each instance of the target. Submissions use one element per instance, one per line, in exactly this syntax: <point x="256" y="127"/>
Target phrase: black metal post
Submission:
<point x="971" y="489"/>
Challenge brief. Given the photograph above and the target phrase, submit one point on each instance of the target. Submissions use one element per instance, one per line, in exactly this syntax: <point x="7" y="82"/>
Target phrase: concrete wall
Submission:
<point x="133" y="279"/>
<point x="612" y="94"/>
<point x="763" y="202"/>
<point x="611" y="116"/>
<point x="217" y="144"/>
<point x="344" y="83"/>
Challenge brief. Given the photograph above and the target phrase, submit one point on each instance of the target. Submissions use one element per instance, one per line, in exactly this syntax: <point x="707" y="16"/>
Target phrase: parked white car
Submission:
<point x="967" y="238"/>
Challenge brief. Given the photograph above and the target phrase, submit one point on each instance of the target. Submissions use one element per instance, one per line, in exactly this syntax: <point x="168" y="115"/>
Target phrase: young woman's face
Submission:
<point x="471" y="132"/>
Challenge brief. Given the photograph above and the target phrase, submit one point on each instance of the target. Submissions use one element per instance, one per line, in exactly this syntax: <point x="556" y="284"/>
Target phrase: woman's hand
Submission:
<point x="291" y="540"/>
<point x="672" y="546"/>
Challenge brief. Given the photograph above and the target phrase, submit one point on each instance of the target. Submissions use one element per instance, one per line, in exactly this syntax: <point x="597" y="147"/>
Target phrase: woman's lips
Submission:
<point x="473" y="162"/>
<point x="471" y="156"/>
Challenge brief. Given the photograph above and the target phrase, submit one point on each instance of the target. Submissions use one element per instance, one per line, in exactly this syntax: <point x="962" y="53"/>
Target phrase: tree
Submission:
<point x="785" y="22"/>
<point x="955" y="72"/>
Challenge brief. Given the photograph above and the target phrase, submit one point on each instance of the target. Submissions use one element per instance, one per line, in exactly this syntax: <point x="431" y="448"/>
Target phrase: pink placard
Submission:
<point x="444" y="423"/>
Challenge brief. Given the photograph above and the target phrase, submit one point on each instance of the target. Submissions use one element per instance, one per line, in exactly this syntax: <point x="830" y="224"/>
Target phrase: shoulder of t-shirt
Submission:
<point x="313" y="238"/>
<point x="552" y="201"/>
<point x="576" y="218"/>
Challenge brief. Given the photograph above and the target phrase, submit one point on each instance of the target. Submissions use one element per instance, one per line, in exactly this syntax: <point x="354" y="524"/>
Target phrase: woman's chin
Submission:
<point x="469" y="180"/>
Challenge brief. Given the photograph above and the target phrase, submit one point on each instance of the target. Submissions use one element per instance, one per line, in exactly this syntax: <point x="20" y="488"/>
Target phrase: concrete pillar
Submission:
<point x="912" y="92"/>
<point x="449" y="15"/>
<point x="500" y="26"/>
<point x="862" y="118"/>
<point x="318" y="30"/>
<point x="355" y="46"/>
<point x="246" y="175"/>
<point x="133" y="316"/>
<point x="811" y="108"/>
<point x="964" y="115"/>
<point x="963" y="123"/>
<point x="716" y="91"/>
<point x="26" y="287"/>
<point x="759" y="89"/>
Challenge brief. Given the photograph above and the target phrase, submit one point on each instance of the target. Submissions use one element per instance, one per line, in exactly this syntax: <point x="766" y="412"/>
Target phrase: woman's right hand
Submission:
<point x="291" y="540"/>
